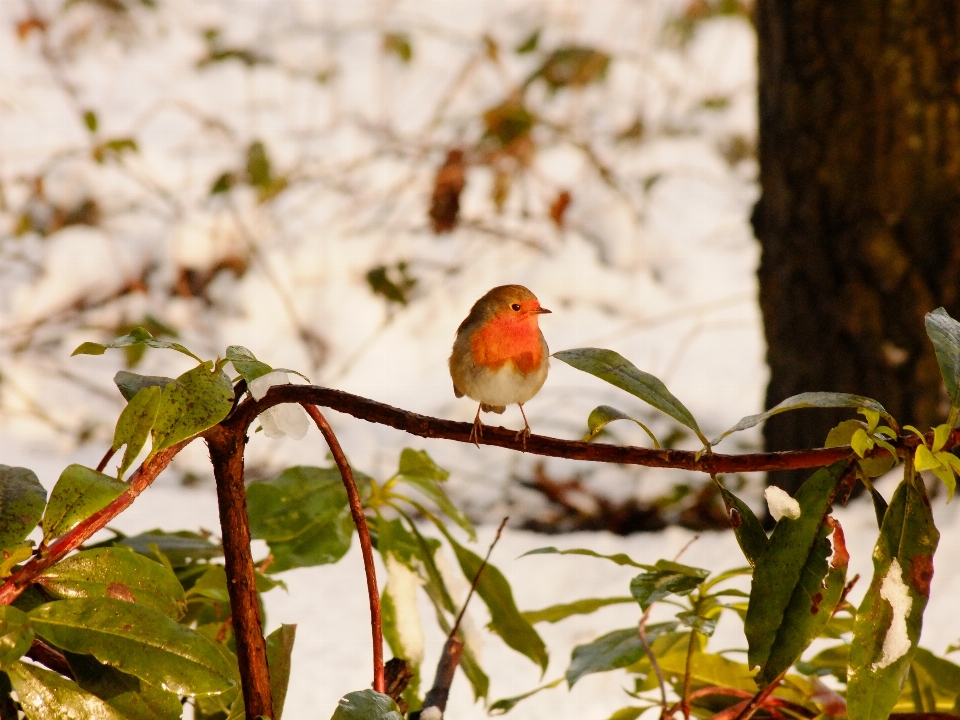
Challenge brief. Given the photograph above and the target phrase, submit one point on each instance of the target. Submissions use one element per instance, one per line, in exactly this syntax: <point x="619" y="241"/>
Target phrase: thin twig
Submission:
<point x="642" y="631"/>
<point x="366" y="546"/>
<point x="105" y="459"/>
<point x="757" y="700"/>
<point x="476" y="578"/>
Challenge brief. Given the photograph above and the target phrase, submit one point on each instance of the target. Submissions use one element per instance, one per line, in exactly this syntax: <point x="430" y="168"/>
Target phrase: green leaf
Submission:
<point x="529" y="43"/>
<point x="506" y="620"/>
<point x="556" y="613"/>
<point x="746" y="527"/>
<point x="79" y="493"/>
<point x="136" y="640"/>
<point x="418" y="469"/>
<point x="258" y="165"/>
<point x="666" y="578"/>
<point x="22" y="499"/>
<point x="246" y="364"/>
<point x="366" y="705"/>
<point x="303" y="515"/>
<point x="944" y="333"/>
<point x="178" y="547"/>
<point x="780" y="571"/>
<point x="843" y="434"/>
<point x="603" y="415"/>
<point x="813" y="601"/>
<point x="941" y="433"/>
<point x="572" y="66"/>
<point x="612" y="651"/>
<point x="808" y="400"/>
<point x="924" y="459"/>
<point x="505" y="705"/>
<point x="134" y="425"/>
<point x="119" y="573"/>
<point x="944" y="471"/>
<point x="128" y="695"/>
<point x="16" y="634"/>
<point x="885" y="636"/>
<point x="195" y="401"/>
<point x="617" y="370"/>
<point x="618" y="558"/>
<point x="212" y="584"/>
<point x="136" y="336"/>
<point x="45" y="695"/>
<point x="90" y="120"/>
<point x="279" y="651"/>
<point x="941" y="677"/>
<point x="130" y="383"/>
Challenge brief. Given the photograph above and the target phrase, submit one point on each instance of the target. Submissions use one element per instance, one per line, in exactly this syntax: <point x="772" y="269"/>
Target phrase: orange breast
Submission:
<point x="504" y="339"/>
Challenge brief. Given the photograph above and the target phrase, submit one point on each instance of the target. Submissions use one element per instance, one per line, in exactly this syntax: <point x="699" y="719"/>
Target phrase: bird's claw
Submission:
<point x="477" y="432"/>
<point x="523" y="435"/>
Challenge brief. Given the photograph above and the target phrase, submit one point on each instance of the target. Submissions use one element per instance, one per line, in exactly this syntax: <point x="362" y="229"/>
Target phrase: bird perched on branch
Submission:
<point x="500" y="357"/>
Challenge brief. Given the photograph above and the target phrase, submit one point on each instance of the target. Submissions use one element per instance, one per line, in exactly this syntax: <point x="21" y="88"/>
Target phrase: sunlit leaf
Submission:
<point x="505" y="705"/>
<point x="134" y="425"/>
<point x="45" y="695"/>
<point x="78" y="494"/>
<point x="22" y="500"/>
<point x="135" y="337"/>
<point x="130" y="383"/>
<point x="128" y="695"/>
<point x="16" y="634"/>
<point x="366" y="705"/>
<point x="746" y="526"/>
<point x="612" y="651"/>
<point x="944" y="333"/>
<point x="178" y="547"/>
<point x="195" y="401"/>
<point x="618" y="558"/>
<point x="665" y="578"/>
<point x="279" y="651"/>
<point x="603" y="415"/>
<point x="246" y="364"/>
<point x="418" y="469"/>
<point x="556" y="613"/>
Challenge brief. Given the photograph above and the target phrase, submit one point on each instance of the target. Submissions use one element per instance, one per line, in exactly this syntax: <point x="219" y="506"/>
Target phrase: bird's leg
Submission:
<point x="477" y="432"/>
<point x="525" y="433"/>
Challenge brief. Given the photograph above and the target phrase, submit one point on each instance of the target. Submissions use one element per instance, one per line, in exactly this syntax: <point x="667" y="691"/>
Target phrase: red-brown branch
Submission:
<point x="366" y="546"/>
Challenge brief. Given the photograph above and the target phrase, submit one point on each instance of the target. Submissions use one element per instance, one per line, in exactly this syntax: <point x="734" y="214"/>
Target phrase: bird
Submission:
<point x="499" y="355"/>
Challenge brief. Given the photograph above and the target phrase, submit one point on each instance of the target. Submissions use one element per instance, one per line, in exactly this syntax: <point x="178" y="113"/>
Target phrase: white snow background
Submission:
<point x="657" y="261"/>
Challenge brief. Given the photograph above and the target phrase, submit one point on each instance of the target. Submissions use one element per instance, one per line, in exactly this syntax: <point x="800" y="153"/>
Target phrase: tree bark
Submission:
<point x="859" y="217"/>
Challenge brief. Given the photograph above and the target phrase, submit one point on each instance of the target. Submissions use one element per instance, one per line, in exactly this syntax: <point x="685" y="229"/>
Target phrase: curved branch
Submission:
<point x="366" y="546"/>
<point x="431" y="427"/>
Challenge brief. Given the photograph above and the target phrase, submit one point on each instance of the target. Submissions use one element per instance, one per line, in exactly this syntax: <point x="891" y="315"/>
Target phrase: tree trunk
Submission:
<point x="859" y="217"/>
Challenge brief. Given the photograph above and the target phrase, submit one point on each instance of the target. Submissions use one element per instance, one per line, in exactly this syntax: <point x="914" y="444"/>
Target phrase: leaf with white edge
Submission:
<point x="792" y="555"/>
<point x="366" y="705"/>
<point x="603" y="415"/>
<point x="808" y="400"/>
<point x="194" y="402"/>
<point x="890" y="617"/>
<point x="45" y="695"/>
<point x="116" y="572"/>
<point x="665" y="578"/>
<point x="612" y="651"/>
<point x="620" y="372"/>
<point x="618" y="558"/>
<point x="556" y="613"/>
<point x="137" y="640"/>
<point x="16" y="635"/>
<point x="419" y="470"/>
<point x="22" y="500"/>
<point x="78" y="494"/>
<point x="130" y="383"/>
<point x="505" y="705"/>
<point x="746" y="526"/>
<point x="134" y="337"/>
<point x="129" y="695"/>
<point x="245" y="363"/>
<point x="944" y="333"/>
<point x="134" y="425"/>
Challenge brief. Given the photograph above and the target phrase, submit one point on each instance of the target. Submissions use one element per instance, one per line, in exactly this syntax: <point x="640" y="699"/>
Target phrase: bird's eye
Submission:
<point x="516" y="307"/>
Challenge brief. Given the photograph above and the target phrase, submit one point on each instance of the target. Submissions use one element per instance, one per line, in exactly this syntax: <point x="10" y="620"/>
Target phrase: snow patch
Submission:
<point x="280" y="420"/>
<point x="896" y="643"/>
<point x="402" y="585"/>
<point x="431" y="713"/>
<point x="781" y="504"/>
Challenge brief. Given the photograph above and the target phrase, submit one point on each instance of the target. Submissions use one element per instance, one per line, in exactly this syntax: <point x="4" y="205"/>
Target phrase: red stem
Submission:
<point x="105" y="459"/>
<point x="366" y="546"/>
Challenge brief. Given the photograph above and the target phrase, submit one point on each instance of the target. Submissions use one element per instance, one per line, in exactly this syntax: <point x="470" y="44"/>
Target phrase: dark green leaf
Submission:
<point x="666" y="578"/>
<point x="617" y="370"/>
<point x="530" y="43"/>
<point x="130" y="383"/>
<point x="22" y="499"/>
<point x="303" y="515"/>
<point x="16" y="635"/>
<point x="195" y="401"/>
<point x="136" y="640"/>
<point x="222" y="184"/>
<point x="78" y="494"/>
<point x="212" y="584"/>
<point x="746" y="527"/>
<point x="178" y="547"/>
<point x="366" y="705"/>
<point x="130" y="696"/>
<point x="506" y="620"/>
<point x="279" y="651"/>
<point x="136" y="336"/>
<point x="944" y="333"/>
<point x="779" y="571"/>
<point x="418" y="469"/>
<point x="505" y="705"/>
<point x="603" y="415"/>
<point x="45" y="695"/>
<point x="90" y="120"/>
<point x="618" y="558"/>
<point x="258" y="165"/>
<point x="891" y="614"/>
<point x="246" y="364"/>
<point x="134" y="425"/>
<point x="614" y="650"/>
<point x="119" y="573"/>
<point x="399" y="45"/>
<point x="940" y="679"/>
<point x="807" y="400"/>
<point x="556" y="613"/>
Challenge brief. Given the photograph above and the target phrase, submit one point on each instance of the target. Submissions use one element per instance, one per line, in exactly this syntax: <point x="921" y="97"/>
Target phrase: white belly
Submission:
<point x="505" y="386"/>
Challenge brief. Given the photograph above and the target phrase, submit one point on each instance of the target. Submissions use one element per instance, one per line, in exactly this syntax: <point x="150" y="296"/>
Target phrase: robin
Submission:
<point x="500" y="357"/>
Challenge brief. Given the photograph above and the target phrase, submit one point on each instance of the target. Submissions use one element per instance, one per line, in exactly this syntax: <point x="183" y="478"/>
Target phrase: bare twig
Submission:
<point x="757" y="700"/>
<point x="476" y="578"/>
<point x="366" y="546"/>
<point x="105" y="459"/>
<point x="642" y="631"/>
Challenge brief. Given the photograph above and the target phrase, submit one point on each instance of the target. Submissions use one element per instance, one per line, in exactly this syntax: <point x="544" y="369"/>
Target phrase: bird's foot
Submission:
<point x="522" y="435"/>
<point x="477" y="432"/>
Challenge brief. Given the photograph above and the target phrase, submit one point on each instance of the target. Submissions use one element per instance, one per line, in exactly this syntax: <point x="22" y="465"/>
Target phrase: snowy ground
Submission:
<point x="657" y="264"/>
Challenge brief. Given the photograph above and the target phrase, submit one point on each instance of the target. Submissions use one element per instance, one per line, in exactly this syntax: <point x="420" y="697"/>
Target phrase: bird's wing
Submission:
<point x="457" y="392"/>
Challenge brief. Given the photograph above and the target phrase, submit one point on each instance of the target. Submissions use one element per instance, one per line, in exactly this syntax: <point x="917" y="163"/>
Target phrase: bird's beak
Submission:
<point x="541" y="311"/>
